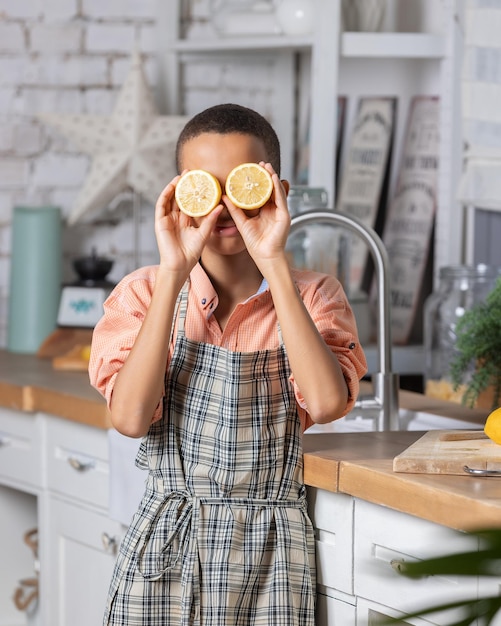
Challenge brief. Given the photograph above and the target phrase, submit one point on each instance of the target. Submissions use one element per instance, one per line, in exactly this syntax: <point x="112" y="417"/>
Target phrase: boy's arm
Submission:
<point x="316" y="369"/>
<point x="139" y="383"/>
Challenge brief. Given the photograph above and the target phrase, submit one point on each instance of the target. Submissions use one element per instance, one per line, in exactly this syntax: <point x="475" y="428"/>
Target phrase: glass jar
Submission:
<point x="460" y="288"/>
<point x="300" y="199"/>
<point x="234" y="18"/>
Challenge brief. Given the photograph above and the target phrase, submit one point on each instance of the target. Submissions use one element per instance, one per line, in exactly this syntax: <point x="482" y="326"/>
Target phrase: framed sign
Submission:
<point x="365" y="170"/>
<point x="409" y="223"/>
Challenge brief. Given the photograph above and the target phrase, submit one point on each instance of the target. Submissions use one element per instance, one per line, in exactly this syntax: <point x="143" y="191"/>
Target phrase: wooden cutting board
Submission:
<point x="448" y="451"/>
<point x="71" y="360"/>
<point x="62" y="340"/>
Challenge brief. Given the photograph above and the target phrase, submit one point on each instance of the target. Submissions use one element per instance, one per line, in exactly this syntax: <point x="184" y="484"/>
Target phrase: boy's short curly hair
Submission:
<point x="232" y="118"/>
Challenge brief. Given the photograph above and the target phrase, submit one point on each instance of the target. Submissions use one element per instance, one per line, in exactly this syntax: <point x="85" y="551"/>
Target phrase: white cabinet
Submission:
<point x="54" y="476"/>
<point x="365" y="582"/>
<point x="20" y="482"/>
<point x="18" y="516"/>
<point x="82" y="544"/>
<point x="81" y="539"/>
<point x="382" y="536"/>
<point x="20" y="450"/>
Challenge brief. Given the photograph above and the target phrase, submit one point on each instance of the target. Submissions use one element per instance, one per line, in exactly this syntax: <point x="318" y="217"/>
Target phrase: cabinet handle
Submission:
<point x="399" y="566"/>
<point x="4" y="441"/>
<point x="80" y="466"/>
<point x="110" y="544"/>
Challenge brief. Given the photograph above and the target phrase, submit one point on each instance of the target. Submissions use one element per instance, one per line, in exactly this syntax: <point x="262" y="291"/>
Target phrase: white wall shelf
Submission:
<point x="368" y="45"/>
<point x="230" y="44"/>
<point x="393" y="45"/>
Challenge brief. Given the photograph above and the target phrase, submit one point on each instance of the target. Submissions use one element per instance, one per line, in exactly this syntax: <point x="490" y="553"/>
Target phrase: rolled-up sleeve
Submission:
<point x="115" y="333"/>
<point x="330" y="310"/>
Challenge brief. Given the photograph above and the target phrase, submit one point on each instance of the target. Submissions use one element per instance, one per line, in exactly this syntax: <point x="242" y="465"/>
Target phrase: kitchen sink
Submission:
<point x="363" y="421"/>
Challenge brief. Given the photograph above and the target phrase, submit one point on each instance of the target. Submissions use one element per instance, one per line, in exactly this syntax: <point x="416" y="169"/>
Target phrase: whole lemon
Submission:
<point x="492" y="427"/>
<point x="85" y="353"/>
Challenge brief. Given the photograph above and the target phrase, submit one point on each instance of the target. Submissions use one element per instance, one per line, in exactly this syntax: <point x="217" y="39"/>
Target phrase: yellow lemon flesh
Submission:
<point x="492" y="427"/>
<point x="249" y="186"/>
<point x="197" y="193"/>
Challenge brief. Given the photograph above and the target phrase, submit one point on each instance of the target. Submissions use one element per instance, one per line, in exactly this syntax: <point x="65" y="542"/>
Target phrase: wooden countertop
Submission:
<point x="361" y="465"/>
<point x="358" y="464"/>
<point x="28" y="383"/>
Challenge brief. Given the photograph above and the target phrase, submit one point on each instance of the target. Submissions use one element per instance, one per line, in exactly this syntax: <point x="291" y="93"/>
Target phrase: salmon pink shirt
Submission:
<point x="252" y="326"/>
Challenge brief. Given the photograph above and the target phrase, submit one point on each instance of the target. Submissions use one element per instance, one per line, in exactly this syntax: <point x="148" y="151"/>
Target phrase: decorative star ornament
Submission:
<point x="133" y="148"/>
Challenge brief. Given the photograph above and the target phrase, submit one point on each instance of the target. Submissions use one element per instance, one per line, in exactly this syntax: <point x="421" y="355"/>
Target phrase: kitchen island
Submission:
<point x="54" y="468"/>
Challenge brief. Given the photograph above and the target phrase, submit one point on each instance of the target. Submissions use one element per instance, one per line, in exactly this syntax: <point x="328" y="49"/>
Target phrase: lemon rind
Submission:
<point x="254" y="205"/>
<point x="210" y="207"/>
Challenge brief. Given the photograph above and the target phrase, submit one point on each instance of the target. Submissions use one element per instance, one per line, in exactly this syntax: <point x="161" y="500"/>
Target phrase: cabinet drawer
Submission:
<point x="382" y="535"/>
<point x="371" y="614"/>
<point x="77" y="461"/>
<point x="20" y="448"/>
<point x="332" y="516"/>
<point x="332" y="611"/>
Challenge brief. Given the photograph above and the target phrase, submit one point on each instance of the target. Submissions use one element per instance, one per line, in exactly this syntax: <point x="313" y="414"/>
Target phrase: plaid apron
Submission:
<point x="222" y="535"/>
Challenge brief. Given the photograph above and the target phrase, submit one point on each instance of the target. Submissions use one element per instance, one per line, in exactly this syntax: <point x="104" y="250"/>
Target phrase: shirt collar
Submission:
<point x="205" y="294"/>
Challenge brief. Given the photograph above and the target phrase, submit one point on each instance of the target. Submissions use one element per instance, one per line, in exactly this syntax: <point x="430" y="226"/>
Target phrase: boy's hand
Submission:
<point x="180" y="242"/>
<point x="265" y="234"/>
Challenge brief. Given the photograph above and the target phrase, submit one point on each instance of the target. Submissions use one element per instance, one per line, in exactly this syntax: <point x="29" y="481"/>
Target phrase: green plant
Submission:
<point x="484" y="562"/>
<point x="478" y="344"/>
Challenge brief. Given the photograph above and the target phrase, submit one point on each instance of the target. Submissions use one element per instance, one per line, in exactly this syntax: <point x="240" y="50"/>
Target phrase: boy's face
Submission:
<point x="219" y="154"/>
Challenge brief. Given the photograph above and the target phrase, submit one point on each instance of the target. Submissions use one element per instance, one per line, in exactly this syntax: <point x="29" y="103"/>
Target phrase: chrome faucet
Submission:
<point x="385" y="383"/>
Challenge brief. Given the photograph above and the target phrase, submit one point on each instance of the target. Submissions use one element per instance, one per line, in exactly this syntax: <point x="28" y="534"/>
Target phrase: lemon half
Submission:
<point x="249" y="186"/>
<point x="197" y="193"/>
<point x="492" y="426"/>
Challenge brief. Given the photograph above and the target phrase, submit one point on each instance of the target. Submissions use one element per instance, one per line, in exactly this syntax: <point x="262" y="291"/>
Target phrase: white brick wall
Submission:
<point x="56" y="37"/>
<point x="71" y="56"/>
<point x="12" y="38"/>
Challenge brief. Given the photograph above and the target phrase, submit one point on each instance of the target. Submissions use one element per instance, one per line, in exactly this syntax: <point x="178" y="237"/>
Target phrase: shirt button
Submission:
<point x="204" y="300"/>
<point x="352" y="345"/>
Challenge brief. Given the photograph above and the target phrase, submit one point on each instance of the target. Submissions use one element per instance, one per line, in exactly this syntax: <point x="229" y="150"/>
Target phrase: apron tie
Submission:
<point x="185" y="530"/>
<point x="181" y="531"/>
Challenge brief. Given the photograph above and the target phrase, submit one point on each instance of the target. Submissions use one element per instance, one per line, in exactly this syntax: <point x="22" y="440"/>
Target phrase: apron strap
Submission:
<point x="180" y="311"/>
<point x="279" y="332"/>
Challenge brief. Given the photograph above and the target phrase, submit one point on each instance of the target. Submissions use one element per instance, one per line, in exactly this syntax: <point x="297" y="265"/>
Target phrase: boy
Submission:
<point x="220" y="357"/>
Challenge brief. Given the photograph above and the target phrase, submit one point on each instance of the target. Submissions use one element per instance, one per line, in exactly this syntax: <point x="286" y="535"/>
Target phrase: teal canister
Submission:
<point x="35" y="277"/>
